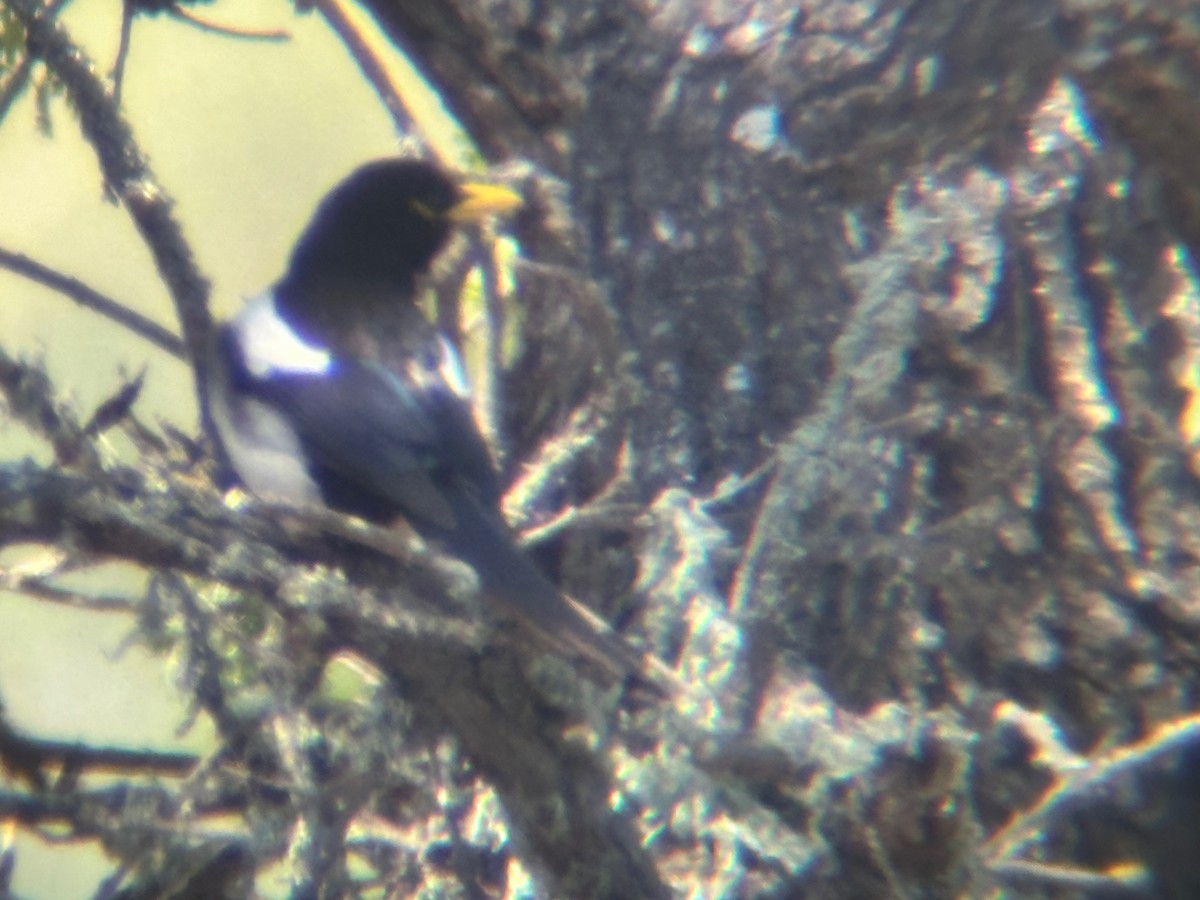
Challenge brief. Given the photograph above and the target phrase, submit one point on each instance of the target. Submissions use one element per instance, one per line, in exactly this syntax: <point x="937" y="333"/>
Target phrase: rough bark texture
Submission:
<point x="932" y="262"/>
<point x="887" y="315"/>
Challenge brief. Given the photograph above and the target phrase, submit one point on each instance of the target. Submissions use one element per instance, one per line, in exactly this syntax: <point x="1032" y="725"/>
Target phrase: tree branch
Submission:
<point x="1076" y="787"/>
<point x="126" y="173"/>
<point x="369" y="63"/>
<point x="28" y="755"/>
<point x="586" y="845"/>
<point x="92" y="299"/>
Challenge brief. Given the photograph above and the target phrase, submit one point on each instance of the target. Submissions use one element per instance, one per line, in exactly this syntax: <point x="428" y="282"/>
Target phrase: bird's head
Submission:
<point x="385" y="223"/>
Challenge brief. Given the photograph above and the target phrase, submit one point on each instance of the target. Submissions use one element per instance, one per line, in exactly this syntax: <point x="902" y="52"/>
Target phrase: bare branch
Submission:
<point x="29" y="394"/>
<point x="18" y="80"/>
<point x="1075" y="787"/>
<point x="369" y="63"/>
<point x="87" y="811"/>
<point x="1132" y="880"/>
<point x="548" y="465"/>
<point x="128" y="11"/>
<point x="30" y="754"/>
<point x="126" y="172"/>
<point x="42" y="590"/>
<point x="92" y="299"/>
<point x="605" y="507"/>
<point x="591" y="513"/>
<point x="271" y="35"/>
<point x="491" y="334"/>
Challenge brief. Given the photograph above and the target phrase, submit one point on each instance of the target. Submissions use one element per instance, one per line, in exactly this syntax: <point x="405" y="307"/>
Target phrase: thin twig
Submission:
<point x="1028" y="826"/>
<point x="129" y="10"/>
<point x="16" y="84"/>
<point x="118" y="69"/>
<point x="369" y="63"/>
<point x="448" y="314"/>
<point x="746" y="574"/>
<point x="488" y="407"/>
<point x="603" y="507"/>
<point x="590" y="513"/>
<point x="116" y="409"/>
<point x="127" y="174"/>
<point x="81" y="809"/>
<point x="553" y="456"/>
<point x="272" y="35"/>
<point x="92" y="299"/>
<point x="84" y="757"/>
<point x="42" y="590"/>
<point x="727" y="489"/>
<point x="1132" y="879"/>
<point x="28" y="394"/>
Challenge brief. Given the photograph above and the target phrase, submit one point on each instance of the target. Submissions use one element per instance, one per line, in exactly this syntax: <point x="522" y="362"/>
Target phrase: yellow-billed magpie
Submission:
<point x="332" y="387"/>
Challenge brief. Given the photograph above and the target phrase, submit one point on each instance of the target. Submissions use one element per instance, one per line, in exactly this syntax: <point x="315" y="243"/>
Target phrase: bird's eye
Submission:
<point x="423" y="209"/>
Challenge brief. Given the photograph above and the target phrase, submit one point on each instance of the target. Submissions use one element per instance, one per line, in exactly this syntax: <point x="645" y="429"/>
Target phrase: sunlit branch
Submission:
<point x="488" y="400"/>
<point x="548" y="465"/>
<point x="369" y="63"/>
<point x="1075" y="787"/>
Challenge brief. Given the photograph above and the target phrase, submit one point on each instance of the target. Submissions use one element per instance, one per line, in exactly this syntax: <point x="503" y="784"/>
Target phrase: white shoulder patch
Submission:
<point x="270" y="346"/>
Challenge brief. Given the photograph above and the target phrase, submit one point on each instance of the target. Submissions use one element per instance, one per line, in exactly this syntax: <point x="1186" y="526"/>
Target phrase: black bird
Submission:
<point x="333" y="387"/>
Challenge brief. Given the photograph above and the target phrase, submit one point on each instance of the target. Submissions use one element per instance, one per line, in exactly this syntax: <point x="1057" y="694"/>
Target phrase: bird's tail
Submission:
<point x="509" y="578"/>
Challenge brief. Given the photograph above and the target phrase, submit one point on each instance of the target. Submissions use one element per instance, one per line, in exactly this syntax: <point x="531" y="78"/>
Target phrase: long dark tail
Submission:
<point x="510" y="578"/>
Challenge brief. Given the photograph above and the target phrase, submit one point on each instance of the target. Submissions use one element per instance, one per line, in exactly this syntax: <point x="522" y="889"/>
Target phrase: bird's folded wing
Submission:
<point x="401" y="443"/>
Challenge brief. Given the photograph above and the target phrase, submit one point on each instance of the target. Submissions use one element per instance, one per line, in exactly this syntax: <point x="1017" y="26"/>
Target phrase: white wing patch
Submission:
<point x="270" y="346"/>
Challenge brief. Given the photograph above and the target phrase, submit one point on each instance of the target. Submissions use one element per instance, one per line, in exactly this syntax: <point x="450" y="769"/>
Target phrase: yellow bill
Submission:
<point x="480" y="200"/>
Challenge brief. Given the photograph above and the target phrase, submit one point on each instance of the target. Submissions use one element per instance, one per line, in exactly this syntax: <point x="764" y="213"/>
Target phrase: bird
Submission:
<point x="333" y="388"/>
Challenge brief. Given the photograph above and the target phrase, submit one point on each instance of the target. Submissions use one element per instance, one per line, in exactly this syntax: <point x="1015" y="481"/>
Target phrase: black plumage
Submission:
<point x="338" y="389"/>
